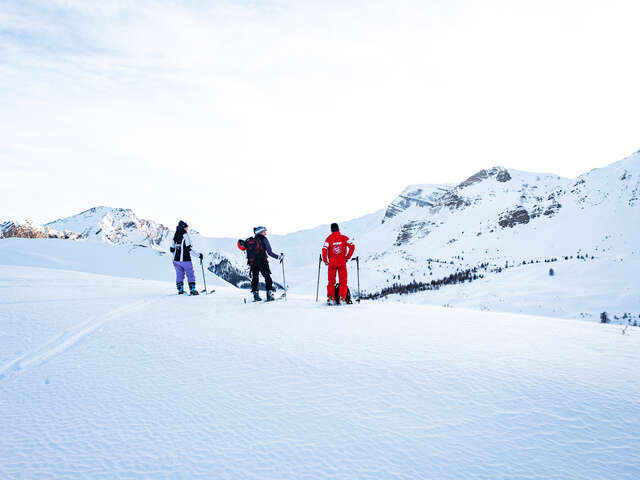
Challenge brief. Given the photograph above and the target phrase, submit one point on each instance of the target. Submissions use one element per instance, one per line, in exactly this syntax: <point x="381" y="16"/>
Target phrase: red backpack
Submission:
<point x="253" y="247"/>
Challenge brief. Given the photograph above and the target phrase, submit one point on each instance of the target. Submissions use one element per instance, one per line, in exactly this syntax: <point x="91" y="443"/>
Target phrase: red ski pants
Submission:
<point x="342" y="275"/>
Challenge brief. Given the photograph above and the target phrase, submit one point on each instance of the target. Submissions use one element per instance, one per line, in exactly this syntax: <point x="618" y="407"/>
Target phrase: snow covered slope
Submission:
<point x="578" y="289"/>
<point x="499" y="216"/>
<point x="104" y="377"/>
<point x="502" y="219"/>
<point x="433" y="237"/>
<point x="122" y="228"/>
<point x="129" y="261"/>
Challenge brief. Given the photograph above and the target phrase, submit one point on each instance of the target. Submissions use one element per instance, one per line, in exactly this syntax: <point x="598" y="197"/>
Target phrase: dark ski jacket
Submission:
<point x="183" y="249"/>
<point x="267" y="246"/>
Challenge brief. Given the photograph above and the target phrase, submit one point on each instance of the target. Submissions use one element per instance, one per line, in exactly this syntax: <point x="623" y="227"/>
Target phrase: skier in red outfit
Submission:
<point x="336" y="252"/>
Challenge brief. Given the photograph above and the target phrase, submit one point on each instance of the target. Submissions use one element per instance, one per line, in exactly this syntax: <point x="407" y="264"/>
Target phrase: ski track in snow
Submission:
<point x="207" y="387"/>
<point x="65" y="340"/>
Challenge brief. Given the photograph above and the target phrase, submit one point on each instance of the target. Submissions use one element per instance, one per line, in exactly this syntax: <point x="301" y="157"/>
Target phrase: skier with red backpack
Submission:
<point x="336" y="252"/>
<point x="258" y="251"/>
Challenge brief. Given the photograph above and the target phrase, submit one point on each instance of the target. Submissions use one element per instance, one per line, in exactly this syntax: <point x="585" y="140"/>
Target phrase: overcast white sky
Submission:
<point x="293" y="113"/>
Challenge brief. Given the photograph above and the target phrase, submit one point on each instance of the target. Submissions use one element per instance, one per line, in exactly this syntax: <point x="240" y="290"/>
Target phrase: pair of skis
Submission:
<point x="281" y="297"/>
<point x="333" y="303"/>
<point x="266" y="300"/>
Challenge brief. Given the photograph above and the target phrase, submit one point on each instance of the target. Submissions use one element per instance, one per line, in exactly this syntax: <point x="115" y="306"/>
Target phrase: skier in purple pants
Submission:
<point x="182" y="250"/>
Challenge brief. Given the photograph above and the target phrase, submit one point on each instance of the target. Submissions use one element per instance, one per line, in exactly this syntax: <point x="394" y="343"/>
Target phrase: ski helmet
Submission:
<point x="334" y="227"/>
<point x="182" y="224"/>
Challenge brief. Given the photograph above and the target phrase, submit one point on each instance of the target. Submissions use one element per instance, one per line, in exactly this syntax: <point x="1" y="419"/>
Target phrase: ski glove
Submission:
<point x="281" y="257"/>
<point x="201" y="256"/>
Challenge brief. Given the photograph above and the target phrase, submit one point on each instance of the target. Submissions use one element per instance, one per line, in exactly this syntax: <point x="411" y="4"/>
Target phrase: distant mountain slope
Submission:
<point x="504" y="217"/>
<point x="114" y="225"/>
<point x="431" y="236"/>
<point x="27" y="229"/>
<point x="120" y="226"/>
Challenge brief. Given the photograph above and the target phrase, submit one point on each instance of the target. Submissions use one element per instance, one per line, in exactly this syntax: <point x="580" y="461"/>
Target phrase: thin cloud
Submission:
<point x="289" y="112"/>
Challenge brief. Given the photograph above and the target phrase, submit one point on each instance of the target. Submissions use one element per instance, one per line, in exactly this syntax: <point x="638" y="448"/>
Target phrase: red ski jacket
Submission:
<point x="337" y="249"/>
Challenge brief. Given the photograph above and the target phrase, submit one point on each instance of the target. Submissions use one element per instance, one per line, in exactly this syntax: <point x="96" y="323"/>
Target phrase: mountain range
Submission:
<point x="433" y="236"/>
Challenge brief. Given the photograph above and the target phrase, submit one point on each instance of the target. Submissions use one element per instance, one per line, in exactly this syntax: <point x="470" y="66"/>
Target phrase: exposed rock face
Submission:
<point x="514" y="217"/>
<point x="409" y="230"/>
<point x="222" y="267"/>
<point x="503" y="175"/>
<point x="418" y="197"/>
<point x="31" y="230"/>
<point x="453" y="201"/>
<point x="552" y="209"/>
<point x="500" y="173"/>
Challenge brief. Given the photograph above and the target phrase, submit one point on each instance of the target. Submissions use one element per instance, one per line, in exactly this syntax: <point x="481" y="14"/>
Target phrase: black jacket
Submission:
<point x="267" y="246"/>
<point x="182" y="251"/>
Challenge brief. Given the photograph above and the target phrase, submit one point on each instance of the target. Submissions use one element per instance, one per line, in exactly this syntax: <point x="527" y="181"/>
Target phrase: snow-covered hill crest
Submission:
<point x="498" y="200"/>
<point x="116" y="226"/>
<point x="436" y="235"/>
<point x="121" y="227"/>
<point x="439" y="196"/>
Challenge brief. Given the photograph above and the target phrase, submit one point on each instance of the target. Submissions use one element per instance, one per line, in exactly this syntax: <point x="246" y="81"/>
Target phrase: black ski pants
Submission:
<point x="258" y="268"/>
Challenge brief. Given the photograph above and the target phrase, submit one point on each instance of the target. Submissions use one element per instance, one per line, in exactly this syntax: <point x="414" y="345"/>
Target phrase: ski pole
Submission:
<point x="204" y="279"/>
<point x="284" y="280"/>
<point x="318" y="284"/>
<point x="358" y="270"/>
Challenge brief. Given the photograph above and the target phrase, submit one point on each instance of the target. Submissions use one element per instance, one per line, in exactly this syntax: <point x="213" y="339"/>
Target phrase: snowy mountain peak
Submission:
<point x="114" y="225"/>
<point x="452" y="197"/>
<point x="501" y="217"/>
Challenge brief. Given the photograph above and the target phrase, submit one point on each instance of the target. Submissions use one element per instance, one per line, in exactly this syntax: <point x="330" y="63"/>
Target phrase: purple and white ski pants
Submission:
<point x="181" y="269"/>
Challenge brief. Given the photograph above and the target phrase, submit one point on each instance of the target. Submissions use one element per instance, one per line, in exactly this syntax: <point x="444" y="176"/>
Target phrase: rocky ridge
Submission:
<point x="501" y="217"/>
<point x="496" y="217"/>
<point x="118" y="226"/>
<point x="28" y="229"/>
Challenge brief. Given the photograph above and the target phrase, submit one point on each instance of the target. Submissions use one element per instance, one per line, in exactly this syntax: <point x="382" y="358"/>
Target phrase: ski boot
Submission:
<point x="180" y="286"/>
<point x="192" y="289"/>
<point x="270" y="296"/>
<point x="256" y="297"/>
<point x="330" y="301"/>
<point x="346" y="301"/>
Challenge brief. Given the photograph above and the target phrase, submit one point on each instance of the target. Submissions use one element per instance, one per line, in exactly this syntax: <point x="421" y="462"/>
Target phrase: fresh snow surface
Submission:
<point x="580" y="289"/>
<point x="132" y="261"/>
<point x="104" y="377"/>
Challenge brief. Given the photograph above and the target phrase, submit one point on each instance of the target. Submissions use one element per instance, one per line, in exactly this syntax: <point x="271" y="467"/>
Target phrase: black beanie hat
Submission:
<point x="182" y="224"/>
<point x="334" y="227"/>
